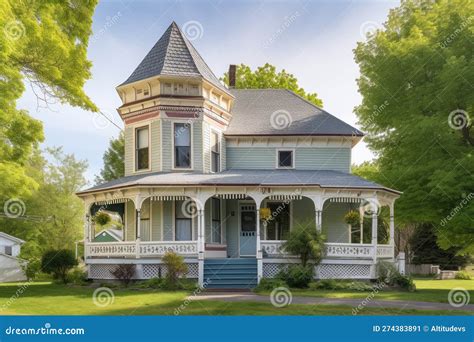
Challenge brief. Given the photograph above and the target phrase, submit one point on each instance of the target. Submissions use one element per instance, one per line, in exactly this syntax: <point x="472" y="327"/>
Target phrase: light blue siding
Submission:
<point x="156" y="220"/>
<point x="168" y="220"/>
<point x="334" y="227"/>
<point x="306" y="158"/>
<point x="231" y="223"/>
<point x="303" y="213"/>
<point x="166" y="144"/>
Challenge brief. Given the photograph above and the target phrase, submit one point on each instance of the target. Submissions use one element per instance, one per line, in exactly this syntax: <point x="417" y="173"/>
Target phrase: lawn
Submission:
<point x="428" y="290"/>
<point x="44" y="298"/>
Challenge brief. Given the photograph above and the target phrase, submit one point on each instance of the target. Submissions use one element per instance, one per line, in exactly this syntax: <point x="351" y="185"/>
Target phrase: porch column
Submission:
<point x="374" y="239"/>
<point x="319" y="220"/>
<point x="259" y="248"/>
<point x="137" y="233"/>
<point x="200" y="244"/>
<point x="392" y="224"/>
<point x="87" y="233"/>
<point x="361" y="223"/>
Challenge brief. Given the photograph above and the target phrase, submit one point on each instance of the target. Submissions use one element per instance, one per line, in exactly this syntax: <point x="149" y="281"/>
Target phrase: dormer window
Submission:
<point x="285" y="159"/>
<point x="167" y="88"/>
<point x="215" y="152"/>
<point x="146" y="92"/>
<point x="193" y="89"/>
<point x="141" y="149"/>
<point x="182" y="145"/>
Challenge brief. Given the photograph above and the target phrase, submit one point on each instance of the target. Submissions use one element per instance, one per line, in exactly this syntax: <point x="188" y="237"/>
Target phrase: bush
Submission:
<point x="175" y="269"/>
<point x="124" y="273"/>
<point x="267" y="284"/>
<point x="388" y="273"/>
<point x="306" y="242"/>
<point x="164" y="284"/>
<point x="31" y="268"/>
<point x="462" y="275"/>
<point x="297" y="275"/>
<point x="352" y="217"/>
<point x="77" y="276"/>
<point x="58" y="263"/>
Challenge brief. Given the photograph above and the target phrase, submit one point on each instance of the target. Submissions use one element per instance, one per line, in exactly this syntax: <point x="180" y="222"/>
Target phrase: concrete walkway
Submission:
<point x="399" y="304"/>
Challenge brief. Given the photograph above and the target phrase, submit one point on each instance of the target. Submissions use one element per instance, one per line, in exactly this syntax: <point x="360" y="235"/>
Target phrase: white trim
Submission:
<point x="135" y="164"/>
<point x="220" y="218"/>
<point x="191" y="129"/>
<point x="219" y="144"/>
<point x="277" y="158"/>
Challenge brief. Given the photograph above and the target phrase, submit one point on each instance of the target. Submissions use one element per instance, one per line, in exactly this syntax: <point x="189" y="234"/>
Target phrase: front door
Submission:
<point x="248" y="230"/>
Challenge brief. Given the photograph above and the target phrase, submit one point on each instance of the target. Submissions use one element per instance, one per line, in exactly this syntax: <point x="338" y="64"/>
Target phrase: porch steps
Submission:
<point x="230" y="273"/>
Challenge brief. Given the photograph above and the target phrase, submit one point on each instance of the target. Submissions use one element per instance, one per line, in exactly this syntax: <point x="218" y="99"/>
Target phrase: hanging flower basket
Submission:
<point x="352" y="217"/>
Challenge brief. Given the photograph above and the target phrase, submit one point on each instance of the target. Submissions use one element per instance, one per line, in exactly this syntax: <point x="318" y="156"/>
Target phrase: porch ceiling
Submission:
<point x="264" y="178"/>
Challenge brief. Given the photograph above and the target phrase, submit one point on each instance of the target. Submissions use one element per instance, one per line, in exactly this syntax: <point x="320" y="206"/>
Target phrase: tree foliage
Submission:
<point x="268" y="77"/>
<point x="114" y="164"/>
<point x="43" y="43"/>
<point x="416" y="83"/>
<point x="58" y="263"/>
<point x="306" y="242"/>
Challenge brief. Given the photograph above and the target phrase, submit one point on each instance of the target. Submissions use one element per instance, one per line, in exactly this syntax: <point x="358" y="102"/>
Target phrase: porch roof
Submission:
<point x="266" y="178"/>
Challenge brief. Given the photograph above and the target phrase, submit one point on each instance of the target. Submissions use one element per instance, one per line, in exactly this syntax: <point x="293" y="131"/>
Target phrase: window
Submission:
<point x="146" y="92"/>
<point x="8" y="250"/>
<point x="285" y="159"/>
<point x="167" y="88"/>
<point x="183" y="222"/>
<point x="141" y="149"/>
<point x="278" y="227"/>
<point x="193" y="89"/>
<point x="215" y="152"/>
<point x="216" y="220"/>
<point x="182" y="145"/>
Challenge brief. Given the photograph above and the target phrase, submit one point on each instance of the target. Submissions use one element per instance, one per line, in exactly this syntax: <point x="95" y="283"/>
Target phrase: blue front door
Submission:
<point x="248" y="227"/>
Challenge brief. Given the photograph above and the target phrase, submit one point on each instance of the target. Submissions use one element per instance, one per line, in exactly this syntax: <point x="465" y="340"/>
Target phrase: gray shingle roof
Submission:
<point x="323" y="178"/>
<point x="173" y="55"/>
<point x="281" y="112"/>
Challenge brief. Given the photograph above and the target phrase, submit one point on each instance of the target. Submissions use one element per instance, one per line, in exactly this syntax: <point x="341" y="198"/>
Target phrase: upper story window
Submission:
<point x="193" y="89"/>
<point x="215" y="152"/>
<point x="182" y="145"/>
<point x="285" y="159"/>
<point x="146" y="92"/>
<point x="167" y="89"/>
<point x="141" y="149"/>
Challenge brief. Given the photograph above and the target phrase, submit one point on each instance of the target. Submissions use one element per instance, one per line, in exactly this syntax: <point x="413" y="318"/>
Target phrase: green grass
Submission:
<point x="44" y="298"/>
<point x="428" y="290"/>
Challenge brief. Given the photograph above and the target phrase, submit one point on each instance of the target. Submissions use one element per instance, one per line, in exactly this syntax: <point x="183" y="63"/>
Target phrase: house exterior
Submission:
<point x="222" y="175"/>
<point x="10" y="263"/>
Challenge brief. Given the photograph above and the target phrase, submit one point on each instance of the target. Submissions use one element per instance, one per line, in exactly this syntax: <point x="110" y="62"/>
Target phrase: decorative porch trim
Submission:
<point x="112" y="201"/>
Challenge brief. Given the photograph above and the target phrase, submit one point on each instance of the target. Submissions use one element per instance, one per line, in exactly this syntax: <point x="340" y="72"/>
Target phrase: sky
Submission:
<point x="313" y="40"/>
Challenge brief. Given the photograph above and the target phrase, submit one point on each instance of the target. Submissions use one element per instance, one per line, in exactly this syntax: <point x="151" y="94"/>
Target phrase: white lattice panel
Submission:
<point x="101" y="271"/>
<point x="271" y="270"/>
<point x="342" y="271"/>
<point x="155" y="270"/>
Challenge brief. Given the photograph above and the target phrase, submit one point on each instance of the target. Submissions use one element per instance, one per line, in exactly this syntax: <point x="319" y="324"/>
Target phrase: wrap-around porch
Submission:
<point x="221" y="222"/>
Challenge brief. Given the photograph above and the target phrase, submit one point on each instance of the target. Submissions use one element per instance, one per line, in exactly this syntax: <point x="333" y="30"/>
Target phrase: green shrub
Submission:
<point x="463" y="275"/>
<point x="352" y="217"/>
<point x="152" y="283"/>
<point x="267" y="284"/>
<point x="306" y="242"/>
<point x="58" y="263"/>
<point x="388" y="273"/>
<point x="175" y="269"/>
<point x="297" y="275"/>
<point x="77" y="276"/>
<point x="124" y="273"/>
<point x="32" y="268"/>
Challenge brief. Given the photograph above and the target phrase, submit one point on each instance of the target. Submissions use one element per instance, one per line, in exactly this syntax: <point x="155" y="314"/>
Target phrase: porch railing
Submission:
<point x="333" y="250"/>
<point x="140" y="249"/>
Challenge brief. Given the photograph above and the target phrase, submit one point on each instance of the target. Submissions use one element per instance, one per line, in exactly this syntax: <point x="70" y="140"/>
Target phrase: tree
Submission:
<point x="424" y="250"/>
<point x="267" y="77"/>
<point x="114" y="164"/>
<point x="58" y="263"/>
<point x="44" y="43"/>
<point x="53" y="214"/>
<point x="416" y="83"/>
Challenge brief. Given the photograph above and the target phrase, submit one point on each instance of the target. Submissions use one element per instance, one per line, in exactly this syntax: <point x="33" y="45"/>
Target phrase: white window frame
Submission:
<point x="219" y="143"/>
<point x="191" y="127"/>
<point x="135" y="161"/>
<point x="277" y="158"/>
